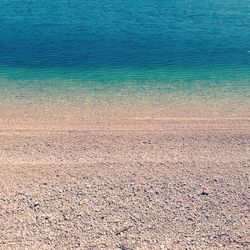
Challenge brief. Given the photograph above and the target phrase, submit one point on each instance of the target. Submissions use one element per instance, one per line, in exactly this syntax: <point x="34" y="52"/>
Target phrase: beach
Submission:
<point x="124" y="183"/>
<point x="124" y="125"/>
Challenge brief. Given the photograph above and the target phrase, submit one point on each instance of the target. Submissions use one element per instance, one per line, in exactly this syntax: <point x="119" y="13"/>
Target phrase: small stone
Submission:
<point x="123" y="247"/>
<point x="204" y="193"/>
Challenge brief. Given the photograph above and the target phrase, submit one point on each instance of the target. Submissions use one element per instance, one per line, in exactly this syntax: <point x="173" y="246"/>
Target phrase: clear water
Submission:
<point x="86" y="50"/>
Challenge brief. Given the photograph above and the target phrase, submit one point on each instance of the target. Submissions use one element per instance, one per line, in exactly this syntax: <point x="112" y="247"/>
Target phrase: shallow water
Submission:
<point x="158" y="52"/>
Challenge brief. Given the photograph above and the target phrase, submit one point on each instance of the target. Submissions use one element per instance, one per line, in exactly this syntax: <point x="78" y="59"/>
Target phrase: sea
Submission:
<point x="156" y="52"/>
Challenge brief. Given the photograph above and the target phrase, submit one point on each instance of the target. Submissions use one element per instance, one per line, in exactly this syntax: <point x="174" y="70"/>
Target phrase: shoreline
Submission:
<point x="78" y="124"/>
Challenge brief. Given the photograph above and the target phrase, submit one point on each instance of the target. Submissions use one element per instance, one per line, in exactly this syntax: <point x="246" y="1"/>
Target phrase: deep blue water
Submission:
<point x="95" y="34"/>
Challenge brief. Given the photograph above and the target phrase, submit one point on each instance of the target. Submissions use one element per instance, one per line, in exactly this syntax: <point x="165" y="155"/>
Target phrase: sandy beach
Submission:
<point x="131" y="183"/>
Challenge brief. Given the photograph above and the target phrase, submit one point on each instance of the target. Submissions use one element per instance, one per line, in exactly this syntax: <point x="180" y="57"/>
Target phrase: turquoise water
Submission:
<point x="151" y="49"/>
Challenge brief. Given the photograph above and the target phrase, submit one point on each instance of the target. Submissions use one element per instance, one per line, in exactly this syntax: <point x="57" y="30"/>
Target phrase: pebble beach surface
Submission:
<point x="162" y="184"/>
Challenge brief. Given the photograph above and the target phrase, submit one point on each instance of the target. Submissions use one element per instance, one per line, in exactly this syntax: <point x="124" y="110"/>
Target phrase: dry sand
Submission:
<point x="137" y="183"/>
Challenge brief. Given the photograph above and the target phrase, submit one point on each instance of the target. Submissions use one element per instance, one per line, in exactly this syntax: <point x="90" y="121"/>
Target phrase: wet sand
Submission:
<point x="124" y="183"/>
